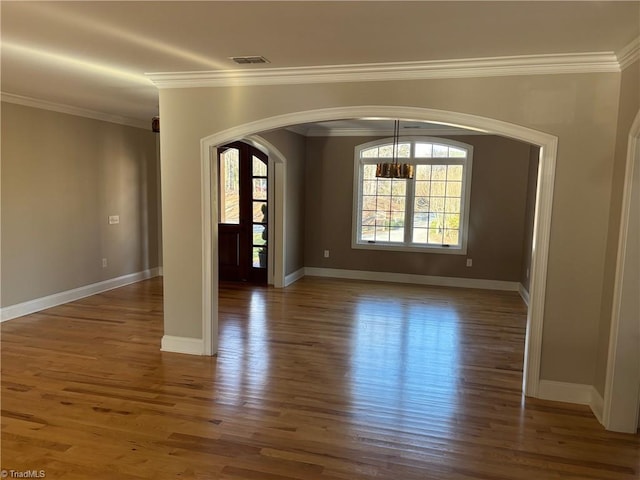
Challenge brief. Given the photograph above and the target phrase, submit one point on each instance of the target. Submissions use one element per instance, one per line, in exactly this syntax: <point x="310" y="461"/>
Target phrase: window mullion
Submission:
<point x="361" y="165"/>
<point x="409" y="199"/>
<point x="408" y="219"/>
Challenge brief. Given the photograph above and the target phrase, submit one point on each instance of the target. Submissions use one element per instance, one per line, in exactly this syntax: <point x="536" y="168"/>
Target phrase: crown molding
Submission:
<point x="595" y="62"/>
<point x="371" y="132"/>
<point x="629" y="54"/>
<point x="315" y="131"/>
<point x="71" y="110"/>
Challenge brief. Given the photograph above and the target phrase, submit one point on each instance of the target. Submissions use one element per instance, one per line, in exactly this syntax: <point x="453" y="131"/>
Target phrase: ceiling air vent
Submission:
<point x="249" y="59"/>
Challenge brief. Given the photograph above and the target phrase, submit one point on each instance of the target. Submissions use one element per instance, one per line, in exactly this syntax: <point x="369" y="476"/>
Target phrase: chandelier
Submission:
<point x="394" y="169"/>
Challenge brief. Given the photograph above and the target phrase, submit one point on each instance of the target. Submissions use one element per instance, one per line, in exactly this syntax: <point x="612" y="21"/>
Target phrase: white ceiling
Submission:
<point x="94" y="55"/>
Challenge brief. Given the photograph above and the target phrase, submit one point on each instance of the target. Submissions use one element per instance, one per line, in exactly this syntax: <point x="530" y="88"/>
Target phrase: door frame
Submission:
<point x="542" y="222"/>
<point x="622" y="390"/>
<point x="277" y="205"/>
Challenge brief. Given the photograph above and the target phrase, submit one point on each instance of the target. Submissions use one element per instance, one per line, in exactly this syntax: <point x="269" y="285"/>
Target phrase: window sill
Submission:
<point x="404" y="248"/>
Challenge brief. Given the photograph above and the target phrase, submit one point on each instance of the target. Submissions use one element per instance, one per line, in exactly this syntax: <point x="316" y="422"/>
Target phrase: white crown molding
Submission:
<point x="595" y="62"/>
<point x="321" y="131"/>
<point x="71" y="110"/>
<point x="629" y="54"/>
<point x="371" y="132"/>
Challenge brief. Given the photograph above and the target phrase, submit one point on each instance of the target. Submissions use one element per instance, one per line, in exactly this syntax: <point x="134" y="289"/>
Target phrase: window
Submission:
<point x="230" y="186"/>
<point x="429" y="212"/>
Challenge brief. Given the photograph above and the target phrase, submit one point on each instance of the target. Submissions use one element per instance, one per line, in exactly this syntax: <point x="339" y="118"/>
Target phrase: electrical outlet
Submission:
<point x="326" y="254"/>
<point x="469" y="262"/>
<point x="104" y="263"/>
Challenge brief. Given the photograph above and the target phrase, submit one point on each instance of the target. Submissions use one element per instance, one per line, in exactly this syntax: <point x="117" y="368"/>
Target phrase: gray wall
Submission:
<point x="62" y="176"/>
<point x="497" y="212"/>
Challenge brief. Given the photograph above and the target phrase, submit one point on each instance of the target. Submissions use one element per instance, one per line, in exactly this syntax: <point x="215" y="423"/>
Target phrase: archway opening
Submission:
<point x="542" y="222"/>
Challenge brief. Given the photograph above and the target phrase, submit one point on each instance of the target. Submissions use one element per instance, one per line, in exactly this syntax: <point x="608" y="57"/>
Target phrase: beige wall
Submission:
<point x="580" y="109"/>
<point x="292" y="147"/>
<point x="629" y="107"/>
<point x="529" y="216"/>
<point x="496" y="225"/>
<point x="62" y="176"/>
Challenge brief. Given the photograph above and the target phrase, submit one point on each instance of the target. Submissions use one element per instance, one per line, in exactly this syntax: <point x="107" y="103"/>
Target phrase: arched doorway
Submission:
<point x="542" y="223"/>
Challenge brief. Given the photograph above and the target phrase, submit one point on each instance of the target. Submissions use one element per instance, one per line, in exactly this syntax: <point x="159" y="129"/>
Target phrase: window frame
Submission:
<point x="407" y="245"/>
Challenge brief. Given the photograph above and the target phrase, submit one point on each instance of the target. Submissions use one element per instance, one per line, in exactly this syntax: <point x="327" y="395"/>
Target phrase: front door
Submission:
<point x="242" y="231"/>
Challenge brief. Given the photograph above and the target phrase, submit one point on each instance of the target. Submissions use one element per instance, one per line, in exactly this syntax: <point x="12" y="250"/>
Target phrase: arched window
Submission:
<point x="427" y="213"/>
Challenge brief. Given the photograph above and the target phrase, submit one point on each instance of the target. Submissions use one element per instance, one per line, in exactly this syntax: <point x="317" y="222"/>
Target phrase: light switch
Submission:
<point x="113" y="219"/>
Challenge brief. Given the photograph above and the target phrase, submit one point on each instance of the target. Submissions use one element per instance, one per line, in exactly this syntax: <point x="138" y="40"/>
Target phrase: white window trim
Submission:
<point x="402" y="247"/>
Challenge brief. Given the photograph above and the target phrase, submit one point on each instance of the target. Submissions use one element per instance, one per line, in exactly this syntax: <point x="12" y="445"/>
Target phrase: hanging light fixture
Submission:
<point x="394" y="169"/>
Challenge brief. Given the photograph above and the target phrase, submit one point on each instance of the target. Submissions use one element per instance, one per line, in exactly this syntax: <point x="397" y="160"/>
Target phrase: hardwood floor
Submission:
<point x="327" y="379"/>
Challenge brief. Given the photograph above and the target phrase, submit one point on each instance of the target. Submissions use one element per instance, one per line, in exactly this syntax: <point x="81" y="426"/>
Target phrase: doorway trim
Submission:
<point x="622" y="391"/>
<point x="542" y="224"/>
<point x="278" y="200"/>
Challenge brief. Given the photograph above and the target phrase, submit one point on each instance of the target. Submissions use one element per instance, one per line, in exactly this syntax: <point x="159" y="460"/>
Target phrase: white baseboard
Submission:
<point x="572" y="393"/>
<point x="412" y="278"/>
<point x="597" y="405"/>
<point x="294" y="277"/>
<point x="565" y="392"/>
<point x="187" y="345"/>
<point x="32" y="306"/>
<point x="524" y="293"/>
<point x="160" y="271"/>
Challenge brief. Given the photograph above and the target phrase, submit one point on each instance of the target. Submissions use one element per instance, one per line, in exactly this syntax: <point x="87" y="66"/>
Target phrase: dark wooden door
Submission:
<point x="242" y="230"/>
